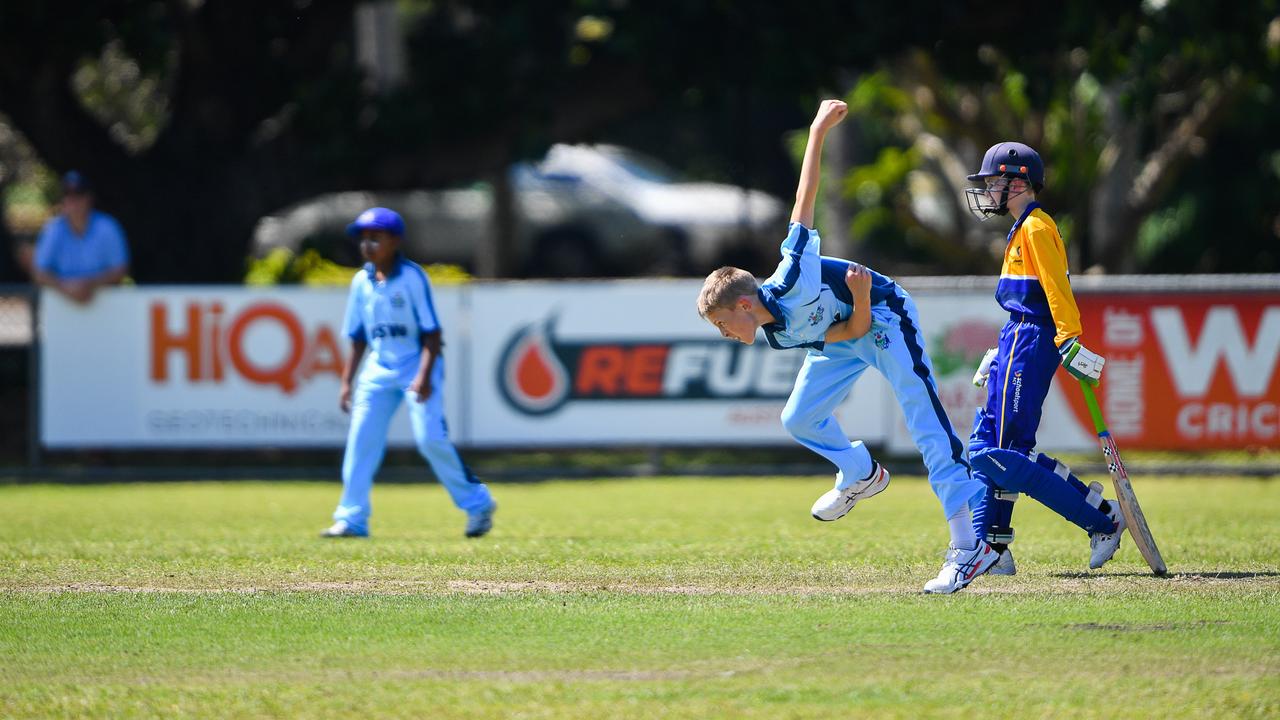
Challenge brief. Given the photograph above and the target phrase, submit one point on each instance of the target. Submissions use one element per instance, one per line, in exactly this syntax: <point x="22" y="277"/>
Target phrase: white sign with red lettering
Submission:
<point x="629" y="363"/>
<point x="202" y="367"/>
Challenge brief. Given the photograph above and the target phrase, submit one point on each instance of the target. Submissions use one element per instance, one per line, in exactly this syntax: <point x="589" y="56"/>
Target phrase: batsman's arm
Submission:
<point x="830" y="113"/>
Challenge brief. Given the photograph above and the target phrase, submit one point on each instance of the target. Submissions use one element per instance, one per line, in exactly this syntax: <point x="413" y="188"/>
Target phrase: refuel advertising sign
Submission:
<point x="627" y="363"/>
<point x="1187" y="371"/>
<point x="201" y="367"/>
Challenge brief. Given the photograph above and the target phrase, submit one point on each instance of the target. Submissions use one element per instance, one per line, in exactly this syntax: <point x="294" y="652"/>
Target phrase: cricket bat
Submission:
<point x="1137" y="523"/>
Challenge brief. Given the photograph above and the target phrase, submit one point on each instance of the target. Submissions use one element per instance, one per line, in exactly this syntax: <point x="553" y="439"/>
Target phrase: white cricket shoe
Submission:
<point x="836" y="503"/>
<point x="344" y="529"/>
<point x="960" y="568"/>
<point x="1004" y="565"/>
<point x="1103" y="545"/>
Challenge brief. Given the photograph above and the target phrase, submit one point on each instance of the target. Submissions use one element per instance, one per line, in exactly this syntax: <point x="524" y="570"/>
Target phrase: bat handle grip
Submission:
<point x="1091" y="401"/>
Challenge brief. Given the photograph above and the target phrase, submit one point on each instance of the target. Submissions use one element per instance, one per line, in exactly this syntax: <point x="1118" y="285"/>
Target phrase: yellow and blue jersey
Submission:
<point x="1034" y="282"/>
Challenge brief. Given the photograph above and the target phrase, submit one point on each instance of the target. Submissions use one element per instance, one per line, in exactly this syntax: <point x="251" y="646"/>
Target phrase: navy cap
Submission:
<point x="1012" y="159"/>
<point x="378" y="218"/>
<point x="75" y="182"/>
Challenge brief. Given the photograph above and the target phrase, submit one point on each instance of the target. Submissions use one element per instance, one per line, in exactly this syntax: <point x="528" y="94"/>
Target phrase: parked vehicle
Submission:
<point x="582" y="211"/>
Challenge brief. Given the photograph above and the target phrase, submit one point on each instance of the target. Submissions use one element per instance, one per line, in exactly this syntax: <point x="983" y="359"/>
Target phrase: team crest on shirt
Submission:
<point x="880" y="339"/>
<point x="397" y="300"/>
<point x="816" y="316"/>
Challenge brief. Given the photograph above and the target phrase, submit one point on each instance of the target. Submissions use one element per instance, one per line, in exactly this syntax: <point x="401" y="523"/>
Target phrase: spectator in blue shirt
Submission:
<point x="81" y="249"/>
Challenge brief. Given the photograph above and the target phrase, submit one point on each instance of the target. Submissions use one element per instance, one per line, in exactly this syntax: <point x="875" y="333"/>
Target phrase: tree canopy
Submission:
<point x="197" y="118"/>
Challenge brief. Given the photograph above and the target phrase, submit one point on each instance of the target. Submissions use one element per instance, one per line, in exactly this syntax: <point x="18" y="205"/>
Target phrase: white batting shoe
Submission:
<point x="960" y="568"/>
<point x="1103" y="545"/>
<point x="1004" y="565"/>
<point x="835" y="503"/>
<point x="344" y="529"/>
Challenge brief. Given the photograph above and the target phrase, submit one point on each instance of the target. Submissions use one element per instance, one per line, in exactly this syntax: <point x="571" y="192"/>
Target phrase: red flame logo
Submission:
<point x="532" y="377"/>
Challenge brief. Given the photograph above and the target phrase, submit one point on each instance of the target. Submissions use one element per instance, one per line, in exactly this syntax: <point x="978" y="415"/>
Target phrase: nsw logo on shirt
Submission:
<point x="397" y="300"/>
<point x="382" y="330"/>
<point x="816" y="316"/>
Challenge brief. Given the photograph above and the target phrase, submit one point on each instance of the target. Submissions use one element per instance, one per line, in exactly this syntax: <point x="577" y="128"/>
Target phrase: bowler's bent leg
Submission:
<point x="823" y="383"/>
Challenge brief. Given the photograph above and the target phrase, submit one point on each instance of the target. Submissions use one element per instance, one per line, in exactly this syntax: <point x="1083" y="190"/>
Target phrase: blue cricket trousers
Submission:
<point x="378" y="392"/>
<point x="1025" y="362"/>
<point x="1023" y="369"/>
<point x="895" y="346"/>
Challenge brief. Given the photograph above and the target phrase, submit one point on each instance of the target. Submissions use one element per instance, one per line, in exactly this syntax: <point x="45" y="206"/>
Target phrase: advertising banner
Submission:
<point x="570" y="364"/>
<point x="201" y="367"/>
<point x="628" y="363"/>
<point x="1187" y="371"/>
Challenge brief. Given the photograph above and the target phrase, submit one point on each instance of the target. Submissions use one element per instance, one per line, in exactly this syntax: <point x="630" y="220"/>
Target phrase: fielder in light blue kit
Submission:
<point x="390" y="313"/>
<point x="850" y="318"/>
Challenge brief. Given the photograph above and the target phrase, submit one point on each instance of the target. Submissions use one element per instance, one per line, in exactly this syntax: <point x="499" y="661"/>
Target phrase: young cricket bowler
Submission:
<point x="1042" y="332"/>
<point x="850" y="318"/>
<point x="390" y="313"/>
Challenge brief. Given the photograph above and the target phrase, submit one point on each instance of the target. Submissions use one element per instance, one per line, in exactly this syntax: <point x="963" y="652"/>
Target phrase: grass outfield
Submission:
<point x="683" y="598"/>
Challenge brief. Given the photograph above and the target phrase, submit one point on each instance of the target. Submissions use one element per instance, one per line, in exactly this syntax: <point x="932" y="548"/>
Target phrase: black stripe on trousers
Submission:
<point x="466" y="469"/>
<point x="898" y="305"/>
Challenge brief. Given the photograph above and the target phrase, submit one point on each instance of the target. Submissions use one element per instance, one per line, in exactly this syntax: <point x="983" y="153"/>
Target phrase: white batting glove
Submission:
<point x="984" y="368"/>
<point x="1081" y="362"/>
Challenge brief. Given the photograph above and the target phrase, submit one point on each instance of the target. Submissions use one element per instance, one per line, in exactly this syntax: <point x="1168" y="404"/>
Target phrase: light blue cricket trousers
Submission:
<point x="895" y="346"/>
<point x="378" y="392"/>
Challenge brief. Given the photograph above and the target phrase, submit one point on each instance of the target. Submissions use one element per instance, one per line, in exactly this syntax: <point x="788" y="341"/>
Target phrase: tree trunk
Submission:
<point x="494" y="257"/>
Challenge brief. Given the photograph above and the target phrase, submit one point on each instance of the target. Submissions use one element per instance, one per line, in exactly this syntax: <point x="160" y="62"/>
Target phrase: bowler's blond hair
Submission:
<point x="722" y="289"/>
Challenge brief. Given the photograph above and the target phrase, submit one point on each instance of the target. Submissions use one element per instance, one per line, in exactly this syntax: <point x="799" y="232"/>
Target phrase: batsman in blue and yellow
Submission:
<point x="850" y="318"/>
<point x="1043" y="332"/>
<point x="390" y="313"/>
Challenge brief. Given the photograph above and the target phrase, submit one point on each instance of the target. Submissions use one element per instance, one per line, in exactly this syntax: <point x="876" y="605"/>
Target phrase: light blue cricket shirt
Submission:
<point x="391" y="315"/>
<point x="807" y="293"/>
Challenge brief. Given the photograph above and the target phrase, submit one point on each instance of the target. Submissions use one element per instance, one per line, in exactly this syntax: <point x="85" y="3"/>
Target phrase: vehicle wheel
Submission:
<point x="565" y="252"/>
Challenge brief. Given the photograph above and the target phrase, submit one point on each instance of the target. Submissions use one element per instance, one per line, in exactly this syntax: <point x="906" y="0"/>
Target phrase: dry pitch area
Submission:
<point x="685" y="598"/>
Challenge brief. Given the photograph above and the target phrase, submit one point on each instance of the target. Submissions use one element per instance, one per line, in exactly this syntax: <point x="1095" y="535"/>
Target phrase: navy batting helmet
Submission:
<point x="1003" y="160"/>
<point x="1012" y="159"/>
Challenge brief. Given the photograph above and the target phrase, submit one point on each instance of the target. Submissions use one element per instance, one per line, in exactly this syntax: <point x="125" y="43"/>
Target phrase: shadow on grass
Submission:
<point x="1144" y="627"/>
<point x="1170" y="576"/>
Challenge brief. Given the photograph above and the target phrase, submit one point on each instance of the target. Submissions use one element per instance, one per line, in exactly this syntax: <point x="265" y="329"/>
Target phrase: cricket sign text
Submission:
<point x="1188" y="370"/>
